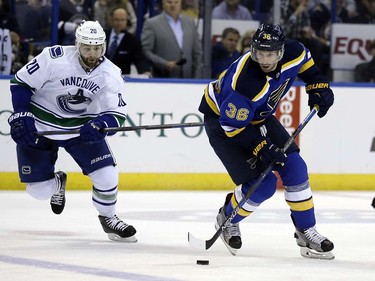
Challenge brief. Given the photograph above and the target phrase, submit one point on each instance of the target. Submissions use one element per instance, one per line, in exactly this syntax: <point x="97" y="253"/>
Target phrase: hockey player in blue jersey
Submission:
<point x="238" y="113"/>
<point x="66" y="88"/>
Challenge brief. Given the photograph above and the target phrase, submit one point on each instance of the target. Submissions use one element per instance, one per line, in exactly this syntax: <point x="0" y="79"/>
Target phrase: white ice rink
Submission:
<point x="36" y="245"/>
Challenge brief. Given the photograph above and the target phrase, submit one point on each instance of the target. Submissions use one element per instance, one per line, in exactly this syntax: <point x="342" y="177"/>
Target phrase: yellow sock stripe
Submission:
<point x="242" y="212"/>
<point x="302" y="205"/>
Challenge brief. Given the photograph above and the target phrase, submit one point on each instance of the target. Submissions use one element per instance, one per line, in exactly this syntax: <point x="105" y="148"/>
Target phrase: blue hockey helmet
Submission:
<point x="268" y="37"/>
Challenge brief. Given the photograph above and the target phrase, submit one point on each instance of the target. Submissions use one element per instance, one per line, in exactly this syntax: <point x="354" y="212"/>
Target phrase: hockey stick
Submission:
<point x="126" y="129"/>
<point x="206" y="244"/>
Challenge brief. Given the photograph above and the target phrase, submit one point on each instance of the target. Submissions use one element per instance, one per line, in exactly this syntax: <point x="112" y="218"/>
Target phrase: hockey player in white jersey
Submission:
<point x="68" y="88"/>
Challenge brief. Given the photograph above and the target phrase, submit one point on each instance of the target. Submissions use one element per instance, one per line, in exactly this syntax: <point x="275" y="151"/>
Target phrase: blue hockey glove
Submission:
<point x="321" y="95"/>
<point x="22" y="128"/>
<point x="91" y="131"/>
<point x="267" y="153"/>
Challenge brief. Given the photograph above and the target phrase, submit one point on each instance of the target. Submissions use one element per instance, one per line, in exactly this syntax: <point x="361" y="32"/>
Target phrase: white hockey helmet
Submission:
<point x="90" y="33"/>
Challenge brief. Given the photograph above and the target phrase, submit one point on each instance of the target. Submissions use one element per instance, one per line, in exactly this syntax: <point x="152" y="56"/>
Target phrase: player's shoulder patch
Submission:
<point x="56" y="52"/>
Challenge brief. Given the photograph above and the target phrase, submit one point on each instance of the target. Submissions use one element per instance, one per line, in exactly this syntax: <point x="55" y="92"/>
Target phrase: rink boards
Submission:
<point x="339" y="148"/>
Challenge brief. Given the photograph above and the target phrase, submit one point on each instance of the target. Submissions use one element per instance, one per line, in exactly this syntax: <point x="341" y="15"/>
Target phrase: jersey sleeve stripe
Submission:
<point x="240" y="65"/>
<point x="306" y="66"/>
<point x="294" y="62"/>
<point x="231" y="132"/>
<point x="209" y="95"/>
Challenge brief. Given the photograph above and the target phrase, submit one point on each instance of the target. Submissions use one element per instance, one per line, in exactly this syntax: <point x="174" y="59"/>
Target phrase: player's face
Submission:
<point x="90" y="54"/>
<point x="267" y="60"/>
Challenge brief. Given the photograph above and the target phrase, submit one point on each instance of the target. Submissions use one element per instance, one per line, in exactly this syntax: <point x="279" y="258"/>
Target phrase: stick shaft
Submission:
<point x="126" y="129"/>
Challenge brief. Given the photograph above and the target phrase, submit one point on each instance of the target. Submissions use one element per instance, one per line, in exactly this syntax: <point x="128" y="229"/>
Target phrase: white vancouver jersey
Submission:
<point x="66" y="96"/>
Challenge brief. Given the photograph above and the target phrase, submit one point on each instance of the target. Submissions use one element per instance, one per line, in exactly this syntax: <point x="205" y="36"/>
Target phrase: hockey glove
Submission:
<point x="321" y="95"/>
<point x="22" y="128"/>
<point x="267" y="153"/>
<point x="91" y="131"/>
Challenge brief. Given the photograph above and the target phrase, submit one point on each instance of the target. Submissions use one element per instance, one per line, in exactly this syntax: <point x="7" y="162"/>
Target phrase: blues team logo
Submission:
<point x="274" y="98"/>
<point x="75" y="104"/>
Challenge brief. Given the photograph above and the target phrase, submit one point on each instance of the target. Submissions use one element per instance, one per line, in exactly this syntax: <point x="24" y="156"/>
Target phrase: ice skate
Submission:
<point x="117" y="230"/>
<point x="58" y="199"/>
<point x="313" y="244"/>
<point x="231" y="235"/>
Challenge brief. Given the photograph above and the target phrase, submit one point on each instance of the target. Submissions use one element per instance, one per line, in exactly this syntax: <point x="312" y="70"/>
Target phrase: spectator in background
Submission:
<point x="71" y="14"/>
<point x="171" y="43"/>
<point x="103" y="8"/>
<point x="365" y="11"/>
<point x="342" y="13"/>
<point x="225" y="51"/>
<point x="320" y="18"/>
<point x="231" y="10"/>
<point x="346" y="10"/>
<point x="37" y="25"/>
<point x="265" y="7"/>
<point x="297" y="25"/>
<point x="311" y="4"/>
<point x="8" y="19"/>
<point x="132" y="16"/>
<point x="190" y="8"/>
<point x="245" y="41"/>
<point x="123" y="48"/>
<point x="296" y="19"/>
<point x="365" y="72"/>
<point x="13" y="56"/>
<point x="101" y="13"/>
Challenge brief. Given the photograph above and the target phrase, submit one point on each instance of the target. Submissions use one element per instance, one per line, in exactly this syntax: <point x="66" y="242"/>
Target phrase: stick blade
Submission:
<point x="196" y="243"/>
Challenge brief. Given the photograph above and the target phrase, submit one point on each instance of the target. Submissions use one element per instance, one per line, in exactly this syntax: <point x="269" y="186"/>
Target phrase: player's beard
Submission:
<point x="89" y="62"/>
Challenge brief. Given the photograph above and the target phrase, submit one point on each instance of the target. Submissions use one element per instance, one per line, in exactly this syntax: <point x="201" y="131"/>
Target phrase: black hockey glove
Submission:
<point x="267" y="153"/>
<point x="321" y="95"/>
<point x="91" y="131"/>
<point x="22" y="128"/>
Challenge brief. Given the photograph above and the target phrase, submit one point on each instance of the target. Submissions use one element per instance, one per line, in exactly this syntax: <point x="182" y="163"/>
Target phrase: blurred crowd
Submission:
<point x="155" y="52"/>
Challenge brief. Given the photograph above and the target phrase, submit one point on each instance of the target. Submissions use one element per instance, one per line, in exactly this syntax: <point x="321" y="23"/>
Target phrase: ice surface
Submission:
<point x="39" y="245"/>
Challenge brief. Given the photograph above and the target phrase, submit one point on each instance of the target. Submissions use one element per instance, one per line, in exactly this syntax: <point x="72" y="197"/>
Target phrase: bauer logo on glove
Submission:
<point x="259" y="147"/>
<point x="22" y="128"/>
<point x="268" y="152"/>
<point x="321" y="95"/>
<point x="317" y="86"/>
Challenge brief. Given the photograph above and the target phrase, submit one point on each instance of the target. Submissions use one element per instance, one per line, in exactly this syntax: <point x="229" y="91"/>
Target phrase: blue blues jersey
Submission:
<point x="245" y="95"/>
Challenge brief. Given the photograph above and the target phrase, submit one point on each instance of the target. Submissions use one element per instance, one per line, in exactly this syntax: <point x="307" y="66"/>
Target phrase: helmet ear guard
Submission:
<point x="268" y="37"/>
<point x="90" y="33"/>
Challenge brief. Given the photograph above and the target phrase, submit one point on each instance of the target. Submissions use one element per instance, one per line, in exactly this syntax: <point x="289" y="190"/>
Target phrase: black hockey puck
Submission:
<point x="373" y="202"/>
<point x="203" y="262"/>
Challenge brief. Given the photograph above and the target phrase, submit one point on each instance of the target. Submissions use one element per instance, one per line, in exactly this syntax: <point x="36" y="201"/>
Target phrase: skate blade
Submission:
<point x="117" y="238"/>
<point x="311" y="254"/>
<point x="233" y="251"/>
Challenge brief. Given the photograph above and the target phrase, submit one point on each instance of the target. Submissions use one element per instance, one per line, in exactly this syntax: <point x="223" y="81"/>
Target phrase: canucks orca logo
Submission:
<point x="73" y="103"/>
